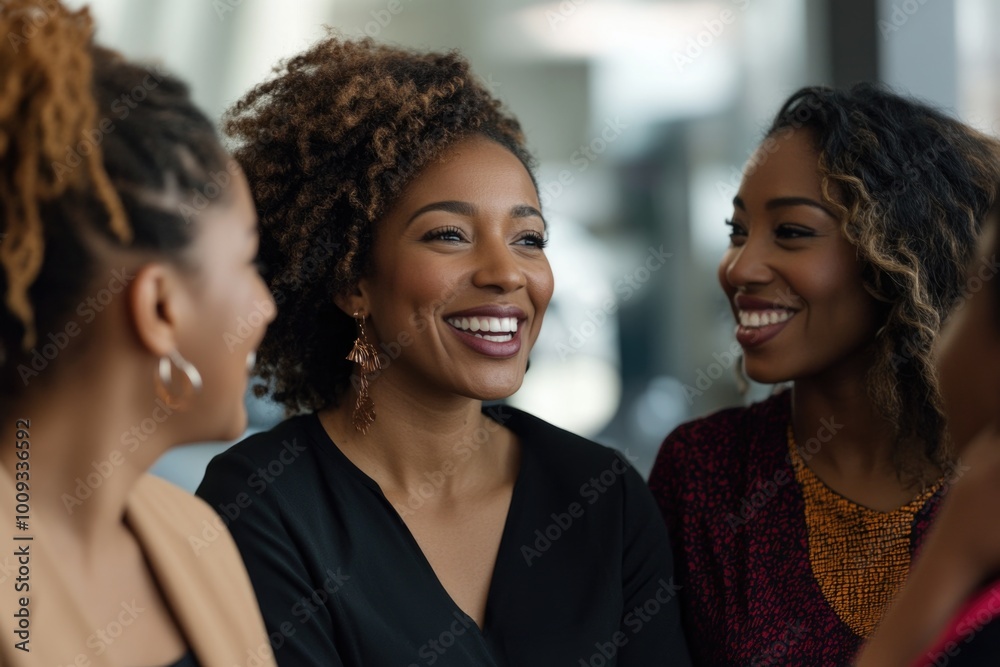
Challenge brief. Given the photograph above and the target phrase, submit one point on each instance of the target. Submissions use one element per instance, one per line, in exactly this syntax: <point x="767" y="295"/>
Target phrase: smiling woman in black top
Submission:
<point x="397" y="521"/>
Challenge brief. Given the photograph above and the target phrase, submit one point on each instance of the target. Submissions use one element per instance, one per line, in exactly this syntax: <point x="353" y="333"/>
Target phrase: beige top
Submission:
<point x="192" y="557"/>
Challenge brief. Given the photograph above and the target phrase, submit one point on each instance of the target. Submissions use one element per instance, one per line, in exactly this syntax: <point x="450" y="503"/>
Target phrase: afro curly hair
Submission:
<point x="327" y="146"/>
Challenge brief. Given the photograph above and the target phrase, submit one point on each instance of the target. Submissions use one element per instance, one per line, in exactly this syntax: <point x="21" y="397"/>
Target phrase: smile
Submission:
<point x="494" y="329"/>
<point x="762" y="318"/>
<point x="756" y="327"/>
<point x="496" y="337"/>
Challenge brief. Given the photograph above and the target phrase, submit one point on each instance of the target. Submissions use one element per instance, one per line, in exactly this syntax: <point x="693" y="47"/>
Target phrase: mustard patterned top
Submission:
<point x="860" y="556"/>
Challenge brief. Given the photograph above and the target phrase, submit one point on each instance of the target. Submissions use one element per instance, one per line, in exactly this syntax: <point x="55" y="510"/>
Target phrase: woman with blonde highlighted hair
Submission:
<point x="127" y="247"/>
<point x="795" y="519"/>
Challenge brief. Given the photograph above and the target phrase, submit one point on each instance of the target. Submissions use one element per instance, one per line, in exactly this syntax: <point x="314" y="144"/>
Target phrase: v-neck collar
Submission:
<point x="514" y="508"/>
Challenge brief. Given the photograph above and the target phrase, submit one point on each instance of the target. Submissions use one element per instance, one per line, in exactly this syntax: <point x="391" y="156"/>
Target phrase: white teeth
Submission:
<point x="763" y="318"/>
<point x="486" y="324"/>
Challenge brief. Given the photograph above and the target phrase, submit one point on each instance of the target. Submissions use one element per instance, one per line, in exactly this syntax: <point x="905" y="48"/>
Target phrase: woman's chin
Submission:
<point x="496" y="391"/>
<point x="765" y="375"/>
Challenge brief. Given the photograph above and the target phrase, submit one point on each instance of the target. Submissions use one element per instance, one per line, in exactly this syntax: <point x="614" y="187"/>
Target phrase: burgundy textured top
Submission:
<point x="754" y="535"/>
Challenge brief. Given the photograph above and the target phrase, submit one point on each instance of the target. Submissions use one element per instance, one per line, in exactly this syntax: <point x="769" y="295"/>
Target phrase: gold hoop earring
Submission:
<point x="165" y="380"/>
<point x="365" y="356"/>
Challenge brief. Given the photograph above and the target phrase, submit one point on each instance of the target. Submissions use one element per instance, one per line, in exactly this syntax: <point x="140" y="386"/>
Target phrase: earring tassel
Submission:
<point x="366" y="357"/>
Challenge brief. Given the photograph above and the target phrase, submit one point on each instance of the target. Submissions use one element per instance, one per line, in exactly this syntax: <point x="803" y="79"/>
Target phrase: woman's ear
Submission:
<point x="354" y="300"/>
<point x="155" y="307"/>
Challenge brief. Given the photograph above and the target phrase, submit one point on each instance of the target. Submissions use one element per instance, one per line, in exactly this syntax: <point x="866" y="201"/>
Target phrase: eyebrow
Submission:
<point x="526" y="211"/>
<point x="782" y="202"/>
<point x="457" y="207"/>
<point x="468" y="210"/>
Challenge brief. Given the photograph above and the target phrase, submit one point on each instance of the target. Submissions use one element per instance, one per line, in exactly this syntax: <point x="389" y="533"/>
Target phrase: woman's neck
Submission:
<point x="846" y="442"/>
<point x="416" y="439"/>
<point x="87" y="449"/>
<point x="843" y="419"/>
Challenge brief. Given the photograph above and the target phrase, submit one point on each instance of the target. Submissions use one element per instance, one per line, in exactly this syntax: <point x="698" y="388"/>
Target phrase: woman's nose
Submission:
<point x="748" y="264"/>
<point x="498" y="266"/>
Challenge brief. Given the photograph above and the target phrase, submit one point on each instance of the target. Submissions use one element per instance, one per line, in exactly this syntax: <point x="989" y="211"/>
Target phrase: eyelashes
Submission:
<point x="735" y="229"/>
<point x="455" y="235"/>
<point x="793" y="232"/>
<point x="784" y="231"/>
<point x="535" y="239"/>
<point x="444" y="234"/>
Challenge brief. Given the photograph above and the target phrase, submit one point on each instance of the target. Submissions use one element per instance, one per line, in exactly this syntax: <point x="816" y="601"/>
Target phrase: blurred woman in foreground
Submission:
<point x="127" y="246"/>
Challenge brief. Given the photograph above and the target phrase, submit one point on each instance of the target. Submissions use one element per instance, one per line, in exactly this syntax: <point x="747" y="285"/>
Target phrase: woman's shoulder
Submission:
<point x="170" y="507"/>
<point x="193" y="555"/>
<point x="727" y="440"/>
<point x="723" y="426"/>
<point x="775" y="408"/>
<point x="180" y="526"/>
<point x="564" y="467"/>
<point x="286" y="440"/>
<point x="552" y="443"/>
<point x="285" y="462"/>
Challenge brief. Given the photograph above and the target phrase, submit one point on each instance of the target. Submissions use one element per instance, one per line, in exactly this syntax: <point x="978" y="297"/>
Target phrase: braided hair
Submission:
<point x="95" y="152"/>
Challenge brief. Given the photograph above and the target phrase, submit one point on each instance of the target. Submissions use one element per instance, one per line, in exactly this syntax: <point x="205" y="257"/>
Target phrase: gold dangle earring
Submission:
<point x="365" y="356"/>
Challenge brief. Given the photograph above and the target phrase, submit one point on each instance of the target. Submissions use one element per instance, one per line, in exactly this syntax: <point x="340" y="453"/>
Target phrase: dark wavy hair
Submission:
<point x="328" y="145"/>
<point x="912" y="186"/>
<point x="94" y="151"/>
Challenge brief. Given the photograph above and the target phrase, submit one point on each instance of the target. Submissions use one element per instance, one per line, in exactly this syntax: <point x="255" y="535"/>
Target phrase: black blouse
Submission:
<point x="583" y="576"/>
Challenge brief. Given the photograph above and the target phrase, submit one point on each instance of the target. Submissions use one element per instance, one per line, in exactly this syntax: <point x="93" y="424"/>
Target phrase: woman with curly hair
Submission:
<point x="396" y="520"/>
<point x="794" y="520"/>
<point x="127" y="246"/>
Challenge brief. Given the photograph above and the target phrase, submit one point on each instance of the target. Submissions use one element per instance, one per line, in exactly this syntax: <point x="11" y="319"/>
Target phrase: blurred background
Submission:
<point x="641" y="114"/>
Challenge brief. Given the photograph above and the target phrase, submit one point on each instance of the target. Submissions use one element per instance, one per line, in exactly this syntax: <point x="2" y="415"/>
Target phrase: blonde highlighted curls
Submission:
<point x="46" y="105"/>
<point x="908" y="333"/>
